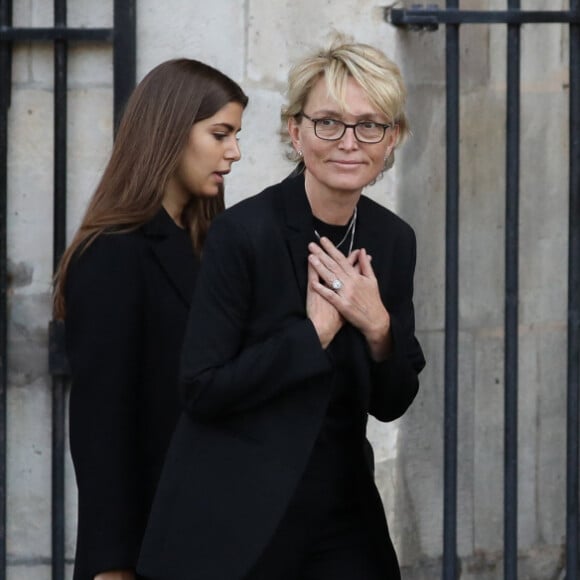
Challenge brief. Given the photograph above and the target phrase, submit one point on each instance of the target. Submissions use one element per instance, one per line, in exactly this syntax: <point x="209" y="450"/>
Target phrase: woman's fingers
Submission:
<point x="312" y="274"/>
<point x="333" y="269"/>
<point x="332" y="251"/>
<point x="116" y="575"/>
<point x="349" y="284"/>
<point x="332" y="258"/>
<point x="364" y="263"/>
<point x="336" y="273"/>
<point x="330" y="274"/>
<point x="352" y="258"/>
<point x="325" y="317"/>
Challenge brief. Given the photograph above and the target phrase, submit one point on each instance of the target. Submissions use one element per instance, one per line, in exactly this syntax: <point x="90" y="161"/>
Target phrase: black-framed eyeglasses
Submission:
<point x="333" y="129"/>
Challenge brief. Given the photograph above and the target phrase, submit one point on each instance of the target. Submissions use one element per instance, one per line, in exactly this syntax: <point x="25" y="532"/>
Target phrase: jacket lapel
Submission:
<point x="370" y="237"/>
<point x="368" y="234"/>
<point x="174" y="253"/>
<point x="299" y="229"/>
<point x="300" y="232"/>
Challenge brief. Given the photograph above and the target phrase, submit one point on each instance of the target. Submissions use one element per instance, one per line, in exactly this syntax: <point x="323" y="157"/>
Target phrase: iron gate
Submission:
<point x="122" y="37"/>
<point x="429" y="18"/>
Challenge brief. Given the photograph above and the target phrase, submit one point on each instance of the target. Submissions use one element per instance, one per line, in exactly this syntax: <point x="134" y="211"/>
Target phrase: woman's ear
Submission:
<point x="392" y="139"/>
<point x="294" y="132"/>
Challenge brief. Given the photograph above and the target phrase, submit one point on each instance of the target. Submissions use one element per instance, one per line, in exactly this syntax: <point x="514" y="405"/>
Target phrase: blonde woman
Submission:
<point x="294" y="337"/>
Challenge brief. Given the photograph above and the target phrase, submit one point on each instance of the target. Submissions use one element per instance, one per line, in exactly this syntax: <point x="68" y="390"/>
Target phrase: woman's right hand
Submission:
<point x="117" y="575"/>
<point x="324" y="316"/>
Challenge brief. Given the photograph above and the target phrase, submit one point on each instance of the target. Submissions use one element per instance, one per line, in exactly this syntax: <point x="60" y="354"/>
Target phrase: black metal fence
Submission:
<point x="122" y="37"/>
<point x="429" y="18"/>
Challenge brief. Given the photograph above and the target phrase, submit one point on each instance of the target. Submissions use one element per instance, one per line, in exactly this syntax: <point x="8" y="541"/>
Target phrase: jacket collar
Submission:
<point x="299" y="228"/>
<point x="369" y="234"/>
<point x="300" y="231"/>
<point x="172" y="249"/>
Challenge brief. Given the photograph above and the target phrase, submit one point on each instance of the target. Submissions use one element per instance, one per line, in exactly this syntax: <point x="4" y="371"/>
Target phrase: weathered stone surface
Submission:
<point x="281" y="32"/>
<point x="542" y="563"/>
<point x="264" y="159"/>
<point x="30" y="184"/>
<point x="88" y="14"/>
<point x="187" y="28"/>
<point x="28" y="467"/>
<point x="420" y="170"/>
<point x="28" y="334"/>
<point x="33" y="571"/>
<point x="90" y="120"/>
<point x="488" y="439"/>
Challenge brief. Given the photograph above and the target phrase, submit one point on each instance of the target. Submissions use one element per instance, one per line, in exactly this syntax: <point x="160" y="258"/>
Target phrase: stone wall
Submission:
<point x="254" y="41"/>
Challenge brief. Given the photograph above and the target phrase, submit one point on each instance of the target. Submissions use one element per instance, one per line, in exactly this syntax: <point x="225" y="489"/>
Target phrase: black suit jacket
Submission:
<point x="127" y="300"/>
<point x="256" y="383"/>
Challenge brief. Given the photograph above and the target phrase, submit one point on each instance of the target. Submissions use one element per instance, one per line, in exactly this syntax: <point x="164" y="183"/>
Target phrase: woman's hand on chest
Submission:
<point x="349" y="285"/>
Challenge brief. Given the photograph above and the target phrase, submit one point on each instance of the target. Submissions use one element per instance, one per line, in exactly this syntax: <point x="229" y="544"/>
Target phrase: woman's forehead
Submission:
<point x="354" y="100"/>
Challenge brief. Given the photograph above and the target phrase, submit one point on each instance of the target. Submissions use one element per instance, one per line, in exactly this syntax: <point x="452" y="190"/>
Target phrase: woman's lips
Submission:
<point x="346" y="164"/>
<point x="219" y="175"/>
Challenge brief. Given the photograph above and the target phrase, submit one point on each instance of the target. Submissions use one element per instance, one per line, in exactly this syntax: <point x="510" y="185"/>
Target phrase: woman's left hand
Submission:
<point x="117" y="575"/>
<point x="358" y="299"/>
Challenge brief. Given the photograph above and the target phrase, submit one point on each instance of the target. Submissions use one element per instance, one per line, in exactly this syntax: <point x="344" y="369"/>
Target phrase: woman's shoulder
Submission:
<point x="248" y="223"/>
<point x="384" y="216"/>
<point x="252" y="214"/>
<point x="111" y="267"/>
<point x="253" y="205"/>
<point x="110" y="250"/>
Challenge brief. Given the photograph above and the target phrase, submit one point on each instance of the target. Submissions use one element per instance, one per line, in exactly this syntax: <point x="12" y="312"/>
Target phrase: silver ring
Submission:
<point x="336" y="284"/>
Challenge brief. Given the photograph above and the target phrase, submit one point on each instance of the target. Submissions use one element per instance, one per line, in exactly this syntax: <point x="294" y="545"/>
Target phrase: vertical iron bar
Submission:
<point x="124" y="55"/>
<point x="59" y="237"/>
<point x="573" y="371"/>
<point x="511" y="300"/>
<point x="450" y="571"/>
<point x="5" y="89"/>
<point x="60" y="136"/>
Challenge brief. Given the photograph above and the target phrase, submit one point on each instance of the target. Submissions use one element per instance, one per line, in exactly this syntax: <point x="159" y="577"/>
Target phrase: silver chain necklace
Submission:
<point x="349" y="230"/>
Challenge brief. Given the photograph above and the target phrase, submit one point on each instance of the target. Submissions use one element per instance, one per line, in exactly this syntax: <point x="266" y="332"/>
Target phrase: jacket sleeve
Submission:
<point x="103" y="327"/>
<point x="395" y="381"/>
<point x="222" y="373"/>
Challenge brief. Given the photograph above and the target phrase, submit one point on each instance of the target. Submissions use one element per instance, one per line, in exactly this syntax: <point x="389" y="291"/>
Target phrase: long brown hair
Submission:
<point x="151" y="136"/>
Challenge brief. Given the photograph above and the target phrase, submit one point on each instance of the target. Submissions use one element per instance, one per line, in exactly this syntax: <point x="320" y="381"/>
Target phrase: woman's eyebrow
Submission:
<point x="225" y="126"/>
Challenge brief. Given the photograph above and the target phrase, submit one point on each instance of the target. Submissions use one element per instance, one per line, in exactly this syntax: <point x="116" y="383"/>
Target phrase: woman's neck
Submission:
<point x="174" y="202"/>
<point x="330" y="206"/>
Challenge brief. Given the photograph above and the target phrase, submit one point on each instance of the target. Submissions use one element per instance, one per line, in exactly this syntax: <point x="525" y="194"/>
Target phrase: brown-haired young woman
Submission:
<point x="123" y="287"/>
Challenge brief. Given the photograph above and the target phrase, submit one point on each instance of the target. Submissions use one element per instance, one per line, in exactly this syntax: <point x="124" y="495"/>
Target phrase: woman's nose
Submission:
<point x="234" y="153"/>
<point x="348" y="140"/>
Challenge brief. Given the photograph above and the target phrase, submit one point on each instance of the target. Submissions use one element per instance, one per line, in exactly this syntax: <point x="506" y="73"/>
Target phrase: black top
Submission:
<point x="330" y="473"/>
<point x="335" y="233"/>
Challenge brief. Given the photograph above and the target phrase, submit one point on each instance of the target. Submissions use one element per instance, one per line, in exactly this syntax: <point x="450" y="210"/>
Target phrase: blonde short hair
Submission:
<point x="379" y="77"/>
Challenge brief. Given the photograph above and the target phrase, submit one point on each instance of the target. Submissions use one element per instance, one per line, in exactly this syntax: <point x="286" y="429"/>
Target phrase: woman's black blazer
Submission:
<point x="256" y="383"/>
<point x="127" y="298"/>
